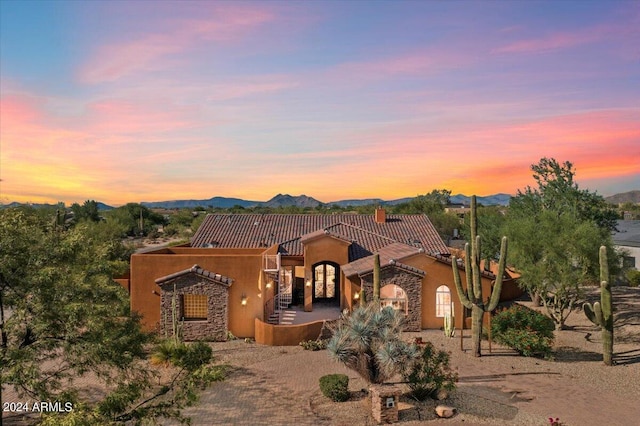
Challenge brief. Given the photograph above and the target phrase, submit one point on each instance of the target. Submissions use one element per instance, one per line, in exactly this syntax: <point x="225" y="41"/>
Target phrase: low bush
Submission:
<point x="335" y="387"/>
<point x="314" y="345"/>
<point x="431" y="373"/>
<point x="527" y="331"/>
<point x="521" y="317"/>
<point x="633" y="275"/>
<point x="187" y="356"/>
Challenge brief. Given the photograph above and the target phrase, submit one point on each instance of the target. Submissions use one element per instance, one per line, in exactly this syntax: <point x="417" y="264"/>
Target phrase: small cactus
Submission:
<point x="376" y="278"/>
<point x="601" y="313"/>
<point x="449" y="328"/>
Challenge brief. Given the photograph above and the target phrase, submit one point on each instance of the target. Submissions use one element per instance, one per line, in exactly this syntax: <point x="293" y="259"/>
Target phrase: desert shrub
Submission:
<point x="335" y="387"/>
<point x="521" y="317"/>
<point x="187" y="356"/>
<point x="633" y="275"/>
<point x="314" y="345"/>
<point x="527" y="331"/>
<point x="369" y="341"/>
<point x="430" y="373"/>
<point x="527" y="342"/>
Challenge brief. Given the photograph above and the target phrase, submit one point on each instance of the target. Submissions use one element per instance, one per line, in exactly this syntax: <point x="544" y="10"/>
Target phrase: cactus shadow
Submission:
<point x="572" y="354"/>
<point x="627" y="357"/>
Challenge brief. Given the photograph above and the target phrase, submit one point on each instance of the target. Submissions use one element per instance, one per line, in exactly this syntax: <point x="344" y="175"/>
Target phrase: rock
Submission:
<point x="445" y="411"/>
<point x="442" y="395"/>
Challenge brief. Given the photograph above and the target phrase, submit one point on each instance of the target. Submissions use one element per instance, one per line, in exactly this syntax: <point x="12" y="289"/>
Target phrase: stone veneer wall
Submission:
<point x="215" y="327"/>
<point x="412" y="286"/>
<point x="379" y="409"/>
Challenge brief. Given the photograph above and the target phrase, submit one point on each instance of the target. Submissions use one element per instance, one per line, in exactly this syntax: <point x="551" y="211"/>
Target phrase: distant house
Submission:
<point x="627" y="238"/>
<point x="248" y="274"/>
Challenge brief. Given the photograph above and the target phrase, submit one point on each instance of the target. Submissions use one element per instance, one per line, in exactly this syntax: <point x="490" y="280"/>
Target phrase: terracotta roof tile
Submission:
<point x="286" y="230"/>
<point x="195" y="269"/>
<point x="390" y="254"/>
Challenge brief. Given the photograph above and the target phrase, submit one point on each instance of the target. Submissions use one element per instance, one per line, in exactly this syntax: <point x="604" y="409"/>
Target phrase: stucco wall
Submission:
<point x="243" y="266"/>
<point x="286" y="335"/>
<point x="437" y="274"/>
<point x="323" y="249"/>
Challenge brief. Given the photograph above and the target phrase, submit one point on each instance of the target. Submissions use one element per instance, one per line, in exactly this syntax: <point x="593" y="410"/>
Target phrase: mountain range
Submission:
<point x="284" y="200"/>
<point x="625" y="197"/>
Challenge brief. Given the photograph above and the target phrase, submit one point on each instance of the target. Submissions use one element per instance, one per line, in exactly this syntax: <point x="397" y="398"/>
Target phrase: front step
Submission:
<point x="274" y="319"/>
<point x="288" y="317"/>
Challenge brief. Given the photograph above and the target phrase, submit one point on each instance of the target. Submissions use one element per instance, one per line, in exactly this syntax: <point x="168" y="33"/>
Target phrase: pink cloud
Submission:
<point x="151" y="51"/>
<point x="564" y="40"/>
<point x="551" y="42"/>
<point x="422" y="62"/>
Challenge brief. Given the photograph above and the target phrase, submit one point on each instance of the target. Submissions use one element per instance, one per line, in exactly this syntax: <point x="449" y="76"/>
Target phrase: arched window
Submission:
<point x="443" y="301"/>
<point x="394" y="297"/>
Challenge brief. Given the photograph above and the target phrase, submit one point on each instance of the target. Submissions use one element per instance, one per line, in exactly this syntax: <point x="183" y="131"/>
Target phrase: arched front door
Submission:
<point x="326" y="282"/>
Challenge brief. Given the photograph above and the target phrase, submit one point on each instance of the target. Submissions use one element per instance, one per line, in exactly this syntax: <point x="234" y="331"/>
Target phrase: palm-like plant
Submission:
<point x="369" y="342"/>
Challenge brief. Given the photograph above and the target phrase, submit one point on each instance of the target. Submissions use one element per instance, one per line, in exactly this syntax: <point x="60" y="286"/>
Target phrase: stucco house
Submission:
<point x="627" y="239"/>
<point x="241" y="273"/>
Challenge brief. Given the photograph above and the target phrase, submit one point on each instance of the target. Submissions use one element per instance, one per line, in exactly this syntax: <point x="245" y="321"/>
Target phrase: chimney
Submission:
<point x="380" y="215"/>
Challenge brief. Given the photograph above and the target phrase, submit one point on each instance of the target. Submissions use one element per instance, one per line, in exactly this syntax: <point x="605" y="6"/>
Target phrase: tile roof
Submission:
<point x="390" y="254"/>
<point x="627" y="233"/>
<point x="195" y="269"/>
<point x="286" y="230"/>
<point x="508" y="273"/>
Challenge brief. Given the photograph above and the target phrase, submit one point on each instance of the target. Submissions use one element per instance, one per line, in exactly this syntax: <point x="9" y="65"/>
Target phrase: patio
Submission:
<point x="296" y="315"/>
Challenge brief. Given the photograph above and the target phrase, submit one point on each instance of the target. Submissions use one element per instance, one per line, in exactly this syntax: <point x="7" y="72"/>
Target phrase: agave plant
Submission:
<point x="369" y="342"/>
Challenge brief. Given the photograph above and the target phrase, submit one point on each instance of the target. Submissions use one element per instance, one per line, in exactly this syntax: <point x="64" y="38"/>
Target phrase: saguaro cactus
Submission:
<point x="472" y="298"/>
<point x="376" y="278"/>
<point x="601" y="313"/>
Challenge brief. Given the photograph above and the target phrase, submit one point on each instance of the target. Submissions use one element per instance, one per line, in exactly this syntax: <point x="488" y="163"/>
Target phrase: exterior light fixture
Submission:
<point x="243" y="300"/>
<point x="356" y="296"/>
<point x="269" y="284"/>
<point x="308" y="283"/>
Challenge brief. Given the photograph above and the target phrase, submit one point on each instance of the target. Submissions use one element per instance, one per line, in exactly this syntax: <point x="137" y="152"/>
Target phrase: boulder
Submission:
<point x="445" y="411"/>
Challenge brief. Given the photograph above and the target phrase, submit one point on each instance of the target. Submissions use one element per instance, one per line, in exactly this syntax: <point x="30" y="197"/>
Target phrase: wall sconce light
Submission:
<point x="269" y="284"/>
<point x="243" y="300"/>
<point x="308" y="283"/>
<point x="356" y="296"/>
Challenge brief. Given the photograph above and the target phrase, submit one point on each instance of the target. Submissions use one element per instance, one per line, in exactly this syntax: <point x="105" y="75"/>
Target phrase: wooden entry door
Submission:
<point x="326" y="282"/>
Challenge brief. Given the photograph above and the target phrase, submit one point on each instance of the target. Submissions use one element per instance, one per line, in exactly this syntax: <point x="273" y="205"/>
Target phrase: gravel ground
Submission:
<point x="279" y="385"/>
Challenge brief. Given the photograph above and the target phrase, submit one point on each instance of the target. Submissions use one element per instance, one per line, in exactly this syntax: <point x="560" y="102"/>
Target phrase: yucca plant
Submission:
<point x="369" y="342"/>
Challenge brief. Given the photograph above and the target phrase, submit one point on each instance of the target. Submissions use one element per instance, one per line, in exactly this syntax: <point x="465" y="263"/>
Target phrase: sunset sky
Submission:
<point x="143" y="101"/>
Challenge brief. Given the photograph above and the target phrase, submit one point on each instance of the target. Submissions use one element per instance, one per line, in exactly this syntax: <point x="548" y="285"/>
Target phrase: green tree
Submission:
<point x="553" y="229"/>
<point x="136" y="219"/>
<point x="87" y="211"/>
<point x="433" y="205"/>
<point x="490" y="221"/>
<point x="62" y="317"/>
<point x="433" y="202"/>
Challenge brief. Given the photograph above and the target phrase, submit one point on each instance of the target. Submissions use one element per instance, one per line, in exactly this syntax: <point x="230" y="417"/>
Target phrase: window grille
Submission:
<point x="194" y="307"/>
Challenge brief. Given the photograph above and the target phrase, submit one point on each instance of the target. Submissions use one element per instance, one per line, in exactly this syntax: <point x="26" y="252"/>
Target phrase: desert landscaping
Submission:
<point x="279" y="385"/>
